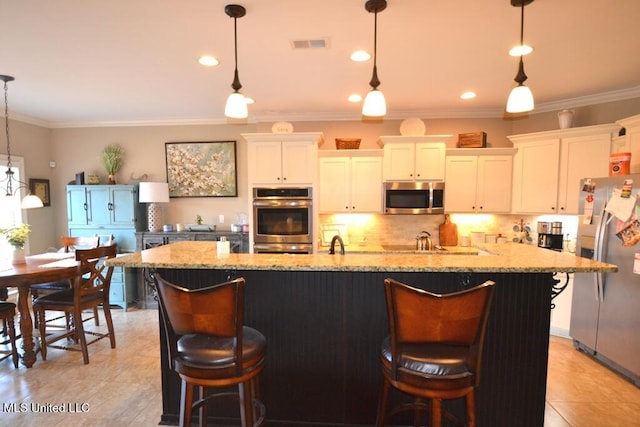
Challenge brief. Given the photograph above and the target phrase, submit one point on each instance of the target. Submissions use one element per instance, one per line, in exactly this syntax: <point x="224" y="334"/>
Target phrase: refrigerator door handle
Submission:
<point x="598" y="252"/>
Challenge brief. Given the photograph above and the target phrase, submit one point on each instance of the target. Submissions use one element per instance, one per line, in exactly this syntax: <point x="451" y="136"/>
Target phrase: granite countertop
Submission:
<point x="504" y="258"/>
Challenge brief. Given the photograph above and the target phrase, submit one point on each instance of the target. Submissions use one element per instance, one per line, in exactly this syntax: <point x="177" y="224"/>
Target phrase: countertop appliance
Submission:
<point x="417" y="198"/>
<point x="550" y="235"/>
<point x="605" y="311"/>
<point x="283" y="220"/>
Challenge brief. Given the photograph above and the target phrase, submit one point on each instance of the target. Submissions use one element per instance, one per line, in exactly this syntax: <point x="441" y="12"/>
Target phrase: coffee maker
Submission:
<point x="550" y="235"/>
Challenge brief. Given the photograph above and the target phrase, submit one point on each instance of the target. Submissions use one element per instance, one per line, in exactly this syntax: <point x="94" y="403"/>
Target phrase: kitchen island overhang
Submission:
<point x="324" y="317"/>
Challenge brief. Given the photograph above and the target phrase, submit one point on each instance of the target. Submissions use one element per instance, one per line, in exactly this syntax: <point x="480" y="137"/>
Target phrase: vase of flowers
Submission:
<point x="17" y="238"/>
<point x="112" y="158"/>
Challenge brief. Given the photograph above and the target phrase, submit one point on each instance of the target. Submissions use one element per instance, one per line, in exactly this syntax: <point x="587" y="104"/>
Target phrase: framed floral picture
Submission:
<point x="202" y="169"/>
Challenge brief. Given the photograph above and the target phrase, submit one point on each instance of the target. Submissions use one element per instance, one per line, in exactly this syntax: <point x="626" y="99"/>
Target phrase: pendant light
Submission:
<point x="520" y="99"/>
<point x="10" y="185"/>
<point x="236" y="106"/>
<point x="374" y="104"/>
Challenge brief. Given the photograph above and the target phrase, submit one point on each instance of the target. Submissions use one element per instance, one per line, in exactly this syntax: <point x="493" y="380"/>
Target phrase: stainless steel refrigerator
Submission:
<point x="605" y="311"/>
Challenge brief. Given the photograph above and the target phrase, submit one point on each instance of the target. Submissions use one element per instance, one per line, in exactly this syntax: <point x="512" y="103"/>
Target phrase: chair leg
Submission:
<point x="109" y="320"/>
<point x="186" y="400"/>
<point x="81" y="336"/>
<point x="436" y="412"/>
<point x="246" y="404"/>
<point x="12" y="341"/>
<point x="382" y="403"/>
<point x="471" y="409"/>
<point x="202" y="409"/>
<point x="42" y="327"/>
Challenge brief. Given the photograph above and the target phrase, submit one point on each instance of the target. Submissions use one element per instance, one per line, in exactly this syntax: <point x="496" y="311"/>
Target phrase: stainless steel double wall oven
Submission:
<point x="282" y="220"/>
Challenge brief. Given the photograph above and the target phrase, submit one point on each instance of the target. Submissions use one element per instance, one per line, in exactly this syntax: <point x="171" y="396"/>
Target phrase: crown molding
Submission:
<point x="601" y="98"/>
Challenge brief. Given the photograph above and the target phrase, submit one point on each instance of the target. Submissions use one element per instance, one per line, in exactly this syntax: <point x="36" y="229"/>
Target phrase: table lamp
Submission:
<point x="154" y="193"/>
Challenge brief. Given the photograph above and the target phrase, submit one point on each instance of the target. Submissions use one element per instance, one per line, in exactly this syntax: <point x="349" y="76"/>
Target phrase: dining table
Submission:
<point x="40" y="268"/>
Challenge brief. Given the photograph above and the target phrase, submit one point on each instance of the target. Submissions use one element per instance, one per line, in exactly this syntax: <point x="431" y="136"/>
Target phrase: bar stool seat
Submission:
<point x="7" y="314"/>
<point x="203" y="328"/>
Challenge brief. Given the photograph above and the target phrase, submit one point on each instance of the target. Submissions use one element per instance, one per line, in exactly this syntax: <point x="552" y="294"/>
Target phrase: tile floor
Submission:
<point x="122" y="386"/>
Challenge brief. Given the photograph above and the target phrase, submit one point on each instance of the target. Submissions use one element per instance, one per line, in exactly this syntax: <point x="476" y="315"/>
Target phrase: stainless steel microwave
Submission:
<point x="414" y="198"/>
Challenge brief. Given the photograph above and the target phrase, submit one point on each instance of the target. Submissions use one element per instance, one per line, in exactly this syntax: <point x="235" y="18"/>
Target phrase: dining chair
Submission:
<point x="69" y="244"/>
<point x="8" y="313"/>
<point x="434" y="350"/>
<point x="210" y="347"/>
<point x="90" y="289"/>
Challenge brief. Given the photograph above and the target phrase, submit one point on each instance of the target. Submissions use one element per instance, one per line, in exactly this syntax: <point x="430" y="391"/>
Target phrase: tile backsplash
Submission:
<point x="402" y="229"/>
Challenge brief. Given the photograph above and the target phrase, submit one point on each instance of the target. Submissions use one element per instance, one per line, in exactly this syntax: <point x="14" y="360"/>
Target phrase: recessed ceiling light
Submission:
<point x="355" y="98"/>
<point x="208" y="61"/>
<point x="468" y="95"/>
<point x="521" y="50"/>
<point x="360" y="56"/>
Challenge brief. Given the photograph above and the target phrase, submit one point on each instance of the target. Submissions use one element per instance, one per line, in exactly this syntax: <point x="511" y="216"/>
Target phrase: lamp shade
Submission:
<point x="520" y="100"/>
<point x="154" y="192"/>
<point x="236" y="106"/>
<point x="31" y="201"/>
<point x="374" y="104"/>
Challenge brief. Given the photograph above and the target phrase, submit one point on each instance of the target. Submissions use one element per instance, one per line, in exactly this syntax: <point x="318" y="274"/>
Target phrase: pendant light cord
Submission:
<point x="6" y="124"/>
<point x="522" y="24"/>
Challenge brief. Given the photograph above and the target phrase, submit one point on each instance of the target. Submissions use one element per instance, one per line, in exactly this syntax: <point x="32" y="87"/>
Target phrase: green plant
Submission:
<point x="112" y="158"/>
<point x="16" y="236"/>
<point x="198" y="219"/>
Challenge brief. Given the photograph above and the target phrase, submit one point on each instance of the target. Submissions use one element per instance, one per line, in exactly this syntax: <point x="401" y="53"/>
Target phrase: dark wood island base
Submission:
<point x="324" y="329"/>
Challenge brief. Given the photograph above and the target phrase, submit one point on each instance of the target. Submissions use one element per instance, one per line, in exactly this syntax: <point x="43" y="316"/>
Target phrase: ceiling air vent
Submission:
<point x="309" y="44"/>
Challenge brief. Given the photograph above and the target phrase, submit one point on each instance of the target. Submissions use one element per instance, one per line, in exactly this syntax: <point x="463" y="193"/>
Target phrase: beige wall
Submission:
<point x="77" y="149"/>
<point x="33" y="144"/>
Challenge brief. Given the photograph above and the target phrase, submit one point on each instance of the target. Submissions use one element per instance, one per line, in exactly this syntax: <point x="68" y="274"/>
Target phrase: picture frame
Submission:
<point x="40" y="188"/>
<point x="202" y="169"/>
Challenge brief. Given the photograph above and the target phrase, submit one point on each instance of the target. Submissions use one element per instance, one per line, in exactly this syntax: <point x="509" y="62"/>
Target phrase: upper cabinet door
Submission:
<point x="460" y="181"/>
<point x="122" y="207"/>
<point x="494" y="184"/>
<point x="581" y="157"/>
<point x="98" y="199"/>
<point x="399" y="162"/>
<point x="366" y="184"/>
<point x="430" y="161"/>
<point x="265" y="162"/>
<point x="335" y="184"/>
<point x="535" y="177"/>
<point x="77" y="207"/>
<point x="298" y="162"/>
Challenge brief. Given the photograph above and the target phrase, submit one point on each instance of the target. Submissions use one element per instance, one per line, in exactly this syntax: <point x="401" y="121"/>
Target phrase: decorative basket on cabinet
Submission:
<point x="348" y="143"/>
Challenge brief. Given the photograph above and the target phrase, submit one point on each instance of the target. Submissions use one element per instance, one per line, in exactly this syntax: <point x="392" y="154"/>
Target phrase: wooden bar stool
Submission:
<point x="7" y="314"/>
<point x="210" y="347"/>
<point x="434" y="349"/>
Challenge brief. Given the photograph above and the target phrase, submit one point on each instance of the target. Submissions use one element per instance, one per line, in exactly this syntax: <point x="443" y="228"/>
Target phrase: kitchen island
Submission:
<point x="324" y="317"/>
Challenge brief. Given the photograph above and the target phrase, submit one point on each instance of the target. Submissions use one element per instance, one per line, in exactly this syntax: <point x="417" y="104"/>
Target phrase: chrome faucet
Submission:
<point x="332" y="249"/>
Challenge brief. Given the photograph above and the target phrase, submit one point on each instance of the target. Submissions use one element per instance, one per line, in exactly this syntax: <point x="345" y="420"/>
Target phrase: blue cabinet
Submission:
<point x="109" y="210"/>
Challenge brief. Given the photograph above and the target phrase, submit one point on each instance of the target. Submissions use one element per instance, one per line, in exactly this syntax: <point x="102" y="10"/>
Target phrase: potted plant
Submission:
<point x="17" y="237"/>
<point x="112" y="159"/>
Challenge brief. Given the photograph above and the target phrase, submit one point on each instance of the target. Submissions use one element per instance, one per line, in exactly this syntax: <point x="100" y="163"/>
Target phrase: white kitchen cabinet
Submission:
<point x="282" y="159"/>
<point x="478" y="180"/>
<point x="413" y="158"/>
<point x="549" y="166"/>
<point x="630" y="142"/>
<point x="350" y="184"/>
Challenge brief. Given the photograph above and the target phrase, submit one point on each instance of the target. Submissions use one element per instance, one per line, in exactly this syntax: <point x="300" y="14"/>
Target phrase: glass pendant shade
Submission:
<point x="520" y="100"/>
<point x="374" y="104"/>
<point x="31" y="201"/>
<point x="236" y="106"/>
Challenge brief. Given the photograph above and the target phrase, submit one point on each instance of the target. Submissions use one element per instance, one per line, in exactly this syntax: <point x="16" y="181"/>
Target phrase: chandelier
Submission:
<point x="10" y="185"/>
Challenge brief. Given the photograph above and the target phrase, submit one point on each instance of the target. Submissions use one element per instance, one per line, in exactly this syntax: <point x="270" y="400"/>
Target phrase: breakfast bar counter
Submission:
<point x="324" y="317"/>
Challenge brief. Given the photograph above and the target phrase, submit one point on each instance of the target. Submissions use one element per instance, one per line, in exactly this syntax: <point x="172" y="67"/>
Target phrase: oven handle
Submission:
<point x="304" y="203"/>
